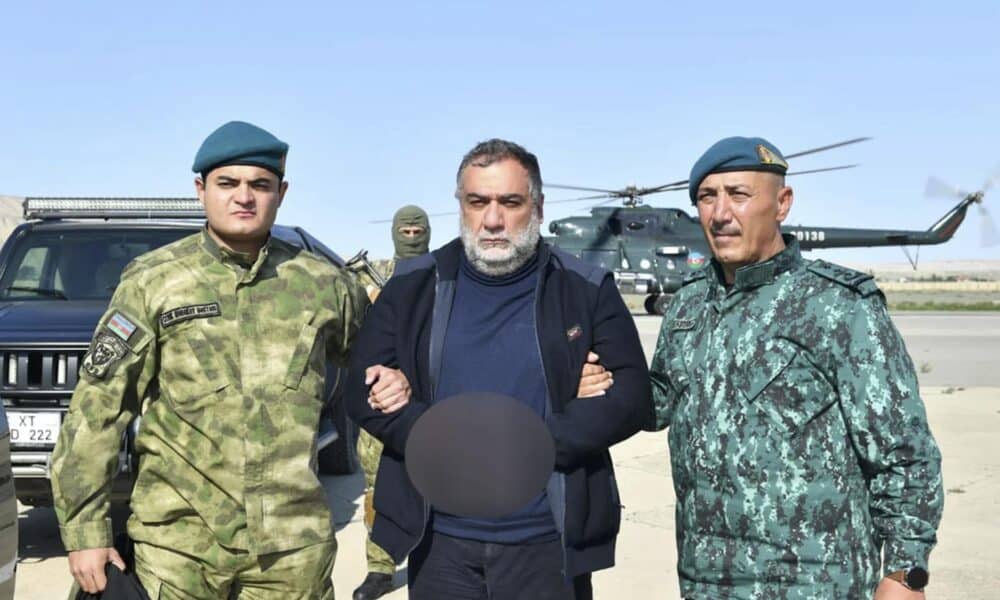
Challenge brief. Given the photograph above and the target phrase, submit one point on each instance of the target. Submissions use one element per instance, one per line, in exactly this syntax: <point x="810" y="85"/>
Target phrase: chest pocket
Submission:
<point x="782" y="384"/>
<point x="680" y="334"/>
<point x="190" y="363"/>
<point x="308" y="361"/>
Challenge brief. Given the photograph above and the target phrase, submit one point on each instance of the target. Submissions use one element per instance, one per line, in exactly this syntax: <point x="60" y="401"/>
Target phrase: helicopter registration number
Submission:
<point x="811" y="236"/>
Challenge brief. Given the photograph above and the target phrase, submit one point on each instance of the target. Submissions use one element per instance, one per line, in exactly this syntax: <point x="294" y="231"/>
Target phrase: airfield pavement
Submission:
<point x="958" y="359"/>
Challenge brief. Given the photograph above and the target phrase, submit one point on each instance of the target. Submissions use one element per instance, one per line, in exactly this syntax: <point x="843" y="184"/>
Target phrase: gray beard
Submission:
<point x="494" y="263"/>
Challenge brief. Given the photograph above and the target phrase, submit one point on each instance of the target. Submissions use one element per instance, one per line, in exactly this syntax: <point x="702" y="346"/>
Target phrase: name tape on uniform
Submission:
<point x="186" y="313"/>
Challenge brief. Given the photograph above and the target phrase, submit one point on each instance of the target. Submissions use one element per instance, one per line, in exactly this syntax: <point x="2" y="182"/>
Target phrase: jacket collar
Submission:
<point x="448" y="258"/>
<point x="240" y="262"/>
<point x="757" y="274"/>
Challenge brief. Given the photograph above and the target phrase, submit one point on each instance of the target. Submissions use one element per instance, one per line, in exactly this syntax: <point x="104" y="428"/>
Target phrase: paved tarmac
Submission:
<point x="958" y="357"/>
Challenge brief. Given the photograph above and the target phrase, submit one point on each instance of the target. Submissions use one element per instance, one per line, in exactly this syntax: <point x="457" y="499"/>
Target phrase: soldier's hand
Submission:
<point x="594" y="379"/>
<point x="373" y="292"/>
<point x="87" y="567"/>
<point x="890" y="589"/>
<point x="389" y="391"/>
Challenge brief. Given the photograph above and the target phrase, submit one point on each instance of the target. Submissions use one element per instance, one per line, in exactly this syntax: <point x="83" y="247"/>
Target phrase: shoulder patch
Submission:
<point x="105" y="352"/>
<point x="121" y="326"/>
<point x="862" y="283"/>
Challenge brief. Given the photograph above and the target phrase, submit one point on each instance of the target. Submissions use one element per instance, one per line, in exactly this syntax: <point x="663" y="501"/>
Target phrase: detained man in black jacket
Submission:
<point x="500" y="311"/>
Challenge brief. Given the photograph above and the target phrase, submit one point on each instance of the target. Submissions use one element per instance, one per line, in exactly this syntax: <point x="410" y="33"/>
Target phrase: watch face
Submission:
<point x="916" y="578"/>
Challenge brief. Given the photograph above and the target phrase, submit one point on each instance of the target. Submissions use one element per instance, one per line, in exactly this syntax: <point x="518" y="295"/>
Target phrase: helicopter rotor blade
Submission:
<point x="578" y="188"/>
<point x="828" y="147"/>
<point x="992" y="180"/>
<point x="601" y="196"/>
<point x="939" y="189"/>
<point x="547" y="202"/>
<point x="662" y="189"/>
<point x="666" y="187"/>
<point x="677" y="186"/>
<point x="430" y="216"/>
<point x="987" y="228"/>
<point x="823" y="170"/>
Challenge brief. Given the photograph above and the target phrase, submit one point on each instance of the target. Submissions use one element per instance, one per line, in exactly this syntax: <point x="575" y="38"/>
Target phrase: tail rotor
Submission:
<point x="936" y="188"/>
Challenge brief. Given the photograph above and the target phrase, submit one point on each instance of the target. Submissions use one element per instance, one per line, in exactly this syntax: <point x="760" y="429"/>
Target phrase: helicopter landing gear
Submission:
<point x="661" y="304"/>
<point x="656" y="304"/>
<point x="650" y="304"/>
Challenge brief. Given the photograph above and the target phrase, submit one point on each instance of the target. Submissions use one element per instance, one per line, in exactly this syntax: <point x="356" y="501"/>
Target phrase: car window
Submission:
<point x="77" y="264"/>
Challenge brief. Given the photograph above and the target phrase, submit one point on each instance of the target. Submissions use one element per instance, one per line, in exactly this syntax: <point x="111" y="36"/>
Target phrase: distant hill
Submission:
<point x="936" y="269"/>
<point x="11" y="215"/>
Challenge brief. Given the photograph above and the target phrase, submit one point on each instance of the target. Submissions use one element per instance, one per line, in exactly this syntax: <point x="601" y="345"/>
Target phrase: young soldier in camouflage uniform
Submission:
<point x="411" y="236"/>
<point x="799" y="444"/>
<point x="227" y="333"/>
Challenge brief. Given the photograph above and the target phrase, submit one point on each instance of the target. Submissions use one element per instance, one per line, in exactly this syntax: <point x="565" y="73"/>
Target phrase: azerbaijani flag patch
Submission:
<point x="121" y="326"/>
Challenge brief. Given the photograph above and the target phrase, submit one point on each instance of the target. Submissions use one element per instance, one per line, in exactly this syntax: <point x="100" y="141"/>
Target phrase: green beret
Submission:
<point x="239" y="143"/>
<point x="736" y="154"/>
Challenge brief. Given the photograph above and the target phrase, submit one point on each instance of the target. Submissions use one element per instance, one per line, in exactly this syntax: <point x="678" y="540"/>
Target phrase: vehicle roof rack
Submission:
<point x="113" y="208"/>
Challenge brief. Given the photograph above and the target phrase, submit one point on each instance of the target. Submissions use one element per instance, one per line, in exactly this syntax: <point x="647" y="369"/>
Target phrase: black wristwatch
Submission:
<point x="915" y="578"/>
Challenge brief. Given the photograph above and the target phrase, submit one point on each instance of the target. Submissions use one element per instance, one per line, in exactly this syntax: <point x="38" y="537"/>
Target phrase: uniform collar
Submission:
<point x="761" y="273"/>
<point x="241" y="262"/>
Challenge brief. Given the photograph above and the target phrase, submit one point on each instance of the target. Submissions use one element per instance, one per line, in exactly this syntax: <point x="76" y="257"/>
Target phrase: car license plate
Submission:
<point x="33" y="428"/>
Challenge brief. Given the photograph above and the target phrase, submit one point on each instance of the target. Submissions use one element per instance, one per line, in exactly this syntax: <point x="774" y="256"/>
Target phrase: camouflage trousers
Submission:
<point x="301" y="574"/>
<point x="370" y="451"/>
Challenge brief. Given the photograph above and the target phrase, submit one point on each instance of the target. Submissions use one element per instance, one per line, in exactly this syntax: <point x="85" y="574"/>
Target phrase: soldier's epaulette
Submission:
<point x="693" y="276"/>
<point x="862" y="283"/>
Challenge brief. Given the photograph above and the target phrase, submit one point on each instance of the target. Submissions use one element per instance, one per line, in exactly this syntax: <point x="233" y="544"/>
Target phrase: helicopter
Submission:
<point x="651" y="250"/>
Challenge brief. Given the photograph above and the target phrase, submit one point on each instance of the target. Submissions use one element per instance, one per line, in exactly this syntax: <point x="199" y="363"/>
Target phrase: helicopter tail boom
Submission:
<point x="833" y="237"/>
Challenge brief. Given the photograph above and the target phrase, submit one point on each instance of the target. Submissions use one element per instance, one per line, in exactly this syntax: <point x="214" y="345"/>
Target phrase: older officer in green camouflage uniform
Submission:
<point x="411" y="236"/>
<point x="802" y="459"/>
<point x="220" y="341"/>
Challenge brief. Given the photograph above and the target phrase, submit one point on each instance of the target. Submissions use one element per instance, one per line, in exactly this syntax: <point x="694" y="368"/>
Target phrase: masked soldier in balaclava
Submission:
<point x="411" y="236"/>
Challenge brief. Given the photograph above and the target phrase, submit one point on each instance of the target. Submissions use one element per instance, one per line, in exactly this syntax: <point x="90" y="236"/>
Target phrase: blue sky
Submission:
<point x="380" y="100"/>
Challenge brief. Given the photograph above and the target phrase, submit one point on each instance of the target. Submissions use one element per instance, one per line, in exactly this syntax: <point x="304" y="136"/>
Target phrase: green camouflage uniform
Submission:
<point x="370" y="451"/>
<point x="231" y="355"/>
<point x="383" y="267"/>
<point x="798" y="440"/>
<point x="369" y="448"/>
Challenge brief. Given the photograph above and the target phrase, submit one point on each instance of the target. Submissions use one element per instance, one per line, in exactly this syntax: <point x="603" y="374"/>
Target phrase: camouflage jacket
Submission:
<point x="383" y="267"/>
<point x="798" y="440"/>
<point x="231" y="357"/>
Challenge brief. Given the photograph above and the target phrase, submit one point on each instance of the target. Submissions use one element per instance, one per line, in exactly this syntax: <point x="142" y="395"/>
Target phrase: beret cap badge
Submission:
<point x="736" y="154"/>
<point x="768" y="158"/>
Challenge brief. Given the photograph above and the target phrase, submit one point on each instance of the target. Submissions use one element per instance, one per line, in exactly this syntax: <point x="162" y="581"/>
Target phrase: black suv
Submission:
<point x="58" y="271"/>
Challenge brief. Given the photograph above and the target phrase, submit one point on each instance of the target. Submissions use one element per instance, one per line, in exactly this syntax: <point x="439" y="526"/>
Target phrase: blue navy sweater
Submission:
<point x="578" y="309"/>
<point x="491" y="346"/>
